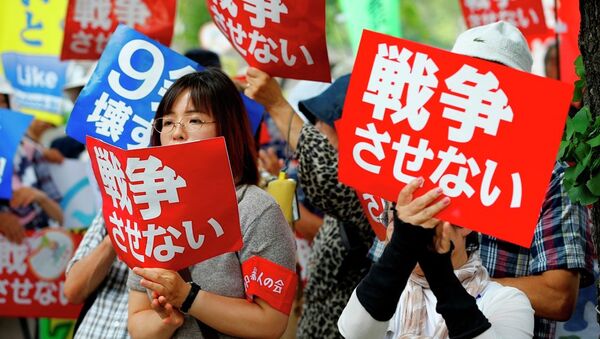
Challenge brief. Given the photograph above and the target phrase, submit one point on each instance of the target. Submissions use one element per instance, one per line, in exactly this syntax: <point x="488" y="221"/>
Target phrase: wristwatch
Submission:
<point x="189" y="300"/>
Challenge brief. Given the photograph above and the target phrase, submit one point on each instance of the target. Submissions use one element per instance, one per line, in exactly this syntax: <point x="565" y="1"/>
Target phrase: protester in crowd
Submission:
<point x="449" y="293"/>
<point x="560" y="258"/>
<point x="35" y="200"/>
<point x="338" y="259"/>
<point x="199" y="106"/>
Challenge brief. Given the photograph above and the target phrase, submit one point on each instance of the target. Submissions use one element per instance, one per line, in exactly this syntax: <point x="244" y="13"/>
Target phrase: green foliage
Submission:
<point x="580" y="148"/>
<point x="191" y="15"/>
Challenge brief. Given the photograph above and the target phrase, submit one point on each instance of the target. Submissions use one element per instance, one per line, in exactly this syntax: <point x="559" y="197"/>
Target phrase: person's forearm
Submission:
<point x="148" y="324"/>
<point x="553" y="294"/>
<point x="282" y="113"/>
<point x="52" y="208"/>
<point x="87" y="274"/>
<point x="237" y="317"/>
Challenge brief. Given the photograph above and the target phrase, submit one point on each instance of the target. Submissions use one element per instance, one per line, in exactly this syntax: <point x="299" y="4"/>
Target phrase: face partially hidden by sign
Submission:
<point x="182" y="114"/>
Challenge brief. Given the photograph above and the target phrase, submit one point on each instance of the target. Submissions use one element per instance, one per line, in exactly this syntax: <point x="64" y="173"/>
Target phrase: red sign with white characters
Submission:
<point x="469" y="126"/>
<point x="284" y="38"/>
<point x="89" y="24"/>
<point x="374" y="207"/>
<point x="163" y="210"/>
<point x="527" y="15"/>
<point x="32" y="274"/>
<point x="271" y="282"/>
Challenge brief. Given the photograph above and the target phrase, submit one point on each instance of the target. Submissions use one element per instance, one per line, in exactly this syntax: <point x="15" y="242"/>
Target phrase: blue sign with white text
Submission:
<point x="120" y="100"/>
<point x="12" y="128"/>
<point x="37" y="81"/>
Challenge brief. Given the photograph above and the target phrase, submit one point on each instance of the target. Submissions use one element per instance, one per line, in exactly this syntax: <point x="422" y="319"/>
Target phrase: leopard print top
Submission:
<point x="334" y="270"/>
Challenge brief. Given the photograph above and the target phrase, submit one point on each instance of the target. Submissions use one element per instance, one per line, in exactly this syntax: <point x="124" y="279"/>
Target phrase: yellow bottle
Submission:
<point x="283" y="191"/>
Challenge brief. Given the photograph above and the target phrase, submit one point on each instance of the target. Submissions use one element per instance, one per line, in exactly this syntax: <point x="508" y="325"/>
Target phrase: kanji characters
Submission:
<point x="110" y="116"/>
<point x="480" y="102"/>
<point x="153" y="183"/>
<point x="265" y="9"/>
<point x="132" y="12"/>
<point x="390" y="74"/>
<point x="113" y="178"/>
<point x="93" y="13"/>
<point x="12" y="257"/>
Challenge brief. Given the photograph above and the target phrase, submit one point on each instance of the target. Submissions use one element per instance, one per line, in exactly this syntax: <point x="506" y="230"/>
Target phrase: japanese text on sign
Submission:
<point x="138" y="186"/>
<point x="271" y="282"/>
<point x="32" y="275"/>
<point x="90" y="23"/>
<point x="276" y="32"/>
<point x="527" y="15"/>
<point x="464" y="124"/>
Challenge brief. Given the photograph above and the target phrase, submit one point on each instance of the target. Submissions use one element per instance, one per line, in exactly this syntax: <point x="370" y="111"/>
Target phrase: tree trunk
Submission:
<point x="589" y="45"/>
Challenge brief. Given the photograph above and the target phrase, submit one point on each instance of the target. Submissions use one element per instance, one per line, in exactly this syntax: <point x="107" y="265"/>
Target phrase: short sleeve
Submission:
<point x="562" y="238"/>
<point x="268" y="235"/>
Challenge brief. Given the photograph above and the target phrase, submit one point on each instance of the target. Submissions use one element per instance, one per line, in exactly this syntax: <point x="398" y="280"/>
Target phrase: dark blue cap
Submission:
<point x="328" y="105"/>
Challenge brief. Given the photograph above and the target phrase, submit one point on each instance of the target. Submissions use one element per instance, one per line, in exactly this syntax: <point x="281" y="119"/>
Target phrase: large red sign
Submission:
<point x="32" y="274"/>
<point x="486" y="134"/>
<point x="527" y="15"/>
<point x="89" y="24"/>
<point x="163" y="210"/>
<point x="284" y="38"/>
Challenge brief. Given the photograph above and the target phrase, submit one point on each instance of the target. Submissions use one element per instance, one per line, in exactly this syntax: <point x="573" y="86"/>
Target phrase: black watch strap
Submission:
<point x="189" y="300"/>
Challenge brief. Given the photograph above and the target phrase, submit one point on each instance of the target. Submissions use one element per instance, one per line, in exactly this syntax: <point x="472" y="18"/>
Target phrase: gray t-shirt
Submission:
<point x="265" y="233"/>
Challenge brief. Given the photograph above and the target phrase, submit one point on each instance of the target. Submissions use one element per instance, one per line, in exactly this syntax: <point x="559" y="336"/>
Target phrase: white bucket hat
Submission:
<point x="499" y="41"/>
<point x="5" y="87"/>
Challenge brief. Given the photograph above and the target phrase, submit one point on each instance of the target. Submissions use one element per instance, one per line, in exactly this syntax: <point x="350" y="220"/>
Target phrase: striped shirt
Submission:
<point x="107" y="318"/>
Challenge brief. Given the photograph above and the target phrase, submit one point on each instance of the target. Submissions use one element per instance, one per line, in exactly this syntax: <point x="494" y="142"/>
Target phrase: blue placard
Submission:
<point x="12" y="128"/>
<point x="119" y="102"/>
<point x="37" y="81"/>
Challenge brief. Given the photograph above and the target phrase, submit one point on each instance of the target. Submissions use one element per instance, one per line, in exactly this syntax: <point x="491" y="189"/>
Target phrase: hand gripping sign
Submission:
<point x="32" y="274"/>
<point x="89" y="24"/>
<point x="284" y="38"/>
<point x="527" y="15"/>
<point x="466" y="125"/>
<point x="162" y="210"/>
<point x="12" y="127"/>
<point x="120" y="100"/>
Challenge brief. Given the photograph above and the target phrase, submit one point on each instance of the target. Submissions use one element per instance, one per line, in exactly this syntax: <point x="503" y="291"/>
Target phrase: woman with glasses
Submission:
<point x="208" y="300"/>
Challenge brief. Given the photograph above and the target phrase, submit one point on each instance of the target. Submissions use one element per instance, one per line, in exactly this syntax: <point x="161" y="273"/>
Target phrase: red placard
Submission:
<point x="271" y="282"/>
<point x="527" y="15"/>
<point x="373" y="207"/>
<point x="568" y="47"/>
<point x="470" y="126"/>
<point x="163" y="210"/>
<point x="32" y="274"/>
<point x="284" y="38"/>
<point x="89" y="24"/>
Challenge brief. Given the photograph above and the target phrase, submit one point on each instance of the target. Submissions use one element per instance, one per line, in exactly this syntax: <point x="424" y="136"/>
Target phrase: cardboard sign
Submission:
<point x="271" y="282"/>
<point x="373" y="208"/>
<point x="13" y="126"/>
<point x="162" y="210"/>
<point x="89" y="24"/>
<point x="527" y="15"/>
<point x="469" y="126"/>
<point x="32" y="274"/>
<point x="284" y="38"/>
<point x="119" y="102"/>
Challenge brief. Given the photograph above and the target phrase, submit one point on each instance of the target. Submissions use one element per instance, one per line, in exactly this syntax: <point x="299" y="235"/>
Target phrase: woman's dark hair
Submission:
<point x="212" y="91"/>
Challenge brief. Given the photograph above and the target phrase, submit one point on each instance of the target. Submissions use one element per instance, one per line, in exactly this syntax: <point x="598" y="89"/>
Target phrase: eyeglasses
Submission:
<point x="167" y="125"/>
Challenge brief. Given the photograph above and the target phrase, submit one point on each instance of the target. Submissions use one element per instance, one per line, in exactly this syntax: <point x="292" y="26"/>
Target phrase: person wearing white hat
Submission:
<point x="559" y="260"/>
